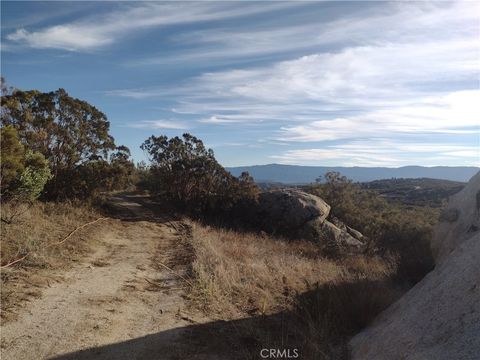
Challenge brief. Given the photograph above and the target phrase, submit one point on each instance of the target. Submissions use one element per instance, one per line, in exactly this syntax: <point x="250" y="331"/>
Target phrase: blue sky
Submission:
<point x="311" y="83"/>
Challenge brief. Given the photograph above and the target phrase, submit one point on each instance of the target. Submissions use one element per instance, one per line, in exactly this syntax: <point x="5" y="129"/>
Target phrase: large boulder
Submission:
<point x="288" y="210"/>
<point x="297" y="214"/>
<point x="439" y="318"/>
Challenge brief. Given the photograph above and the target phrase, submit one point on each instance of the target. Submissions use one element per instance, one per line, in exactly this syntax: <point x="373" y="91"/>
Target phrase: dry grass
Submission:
<point x="245" y="273"/>
<point x="30" y="232"/>
<point x="299" y="297"/>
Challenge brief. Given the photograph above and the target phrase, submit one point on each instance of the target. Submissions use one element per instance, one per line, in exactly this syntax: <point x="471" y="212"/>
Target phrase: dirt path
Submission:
<point x="118" y="303"/>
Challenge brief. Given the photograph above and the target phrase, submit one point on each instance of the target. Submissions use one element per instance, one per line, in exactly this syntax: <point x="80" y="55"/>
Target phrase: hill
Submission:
<point x="420" y="192"/>
<point x="294" y="174"/>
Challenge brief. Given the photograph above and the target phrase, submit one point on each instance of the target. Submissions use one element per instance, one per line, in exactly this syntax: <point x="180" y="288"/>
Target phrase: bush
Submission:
<point x="187" y="174"/>
<point x="24" y="173"/>
<point x="400" y="231"/>
<point x="12" y="158"/>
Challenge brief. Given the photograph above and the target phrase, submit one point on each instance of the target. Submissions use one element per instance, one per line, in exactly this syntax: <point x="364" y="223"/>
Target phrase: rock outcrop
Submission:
<point x="297" y="214"/>
<point x="459" y="221"/>
<point x="439" y="318"/>
<point x="288" y="210"/>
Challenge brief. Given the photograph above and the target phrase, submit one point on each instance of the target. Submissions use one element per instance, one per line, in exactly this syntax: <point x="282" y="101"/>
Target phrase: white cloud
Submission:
<point x="63" y="37"/>
<point x="369" y="75"/>
<point x="407" y="71"/>
<point x="384" y="152"/>
<point x="159" y="124"/>
<point x="454" y="113"/>
<point x="98" y="31"/>
<point x="404" y="22"/>
<point x="398" y="65"/>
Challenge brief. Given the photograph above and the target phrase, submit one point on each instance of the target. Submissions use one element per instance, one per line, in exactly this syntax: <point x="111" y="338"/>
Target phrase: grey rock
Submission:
<point x="332" y="237"/>
<point x="354" y="233"/>
<point x="288" y="210"/>
<point x="300" y="215"/>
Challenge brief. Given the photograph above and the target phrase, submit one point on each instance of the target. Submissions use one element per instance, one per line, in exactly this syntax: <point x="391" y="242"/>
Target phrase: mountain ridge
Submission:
<point x="299" y="174"/>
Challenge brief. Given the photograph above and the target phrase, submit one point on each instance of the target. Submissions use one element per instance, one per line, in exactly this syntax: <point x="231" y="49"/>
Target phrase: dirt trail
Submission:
<point x="118" y="295"/>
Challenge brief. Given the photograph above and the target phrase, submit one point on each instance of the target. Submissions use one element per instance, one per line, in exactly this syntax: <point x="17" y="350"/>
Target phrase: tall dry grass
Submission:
<point x="297" y="296"/>
<point x="32" y="229"/>
<point x="38" y="225"/>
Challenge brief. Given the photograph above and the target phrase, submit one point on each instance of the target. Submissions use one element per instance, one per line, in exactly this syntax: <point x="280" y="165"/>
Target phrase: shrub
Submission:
<point x="24" y="173"/>
<point x="187" y="174"/>
<point x="12" y="158"/>
<point x="401" y="231"/>
<point x="34" y="177"/>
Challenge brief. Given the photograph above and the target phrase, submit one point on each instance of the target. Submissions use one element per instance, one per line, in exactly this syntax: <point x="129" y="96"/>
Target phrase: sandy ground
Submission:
<point x="118" y="303"/>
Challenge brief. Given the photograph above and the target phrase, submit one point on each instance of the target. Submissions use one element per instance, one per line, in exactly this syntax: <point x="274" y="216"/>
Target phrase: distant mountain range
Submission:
<point x="295" y="174"/>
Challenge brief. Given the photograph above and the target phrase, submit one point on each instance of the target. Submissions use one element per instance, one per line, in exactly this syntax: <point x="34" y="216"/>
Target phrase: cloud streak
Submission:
<point x="356" y="28"/>
<point x="383" y="152"/>
<point x="102" y="30"/>
<point x="159" y="124"/>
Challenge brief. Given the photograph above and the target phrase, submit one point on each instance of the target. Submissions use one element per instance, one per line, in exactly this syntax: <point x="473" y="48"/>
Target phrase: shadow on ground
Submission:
<point x="237" y="339"/>
<point x="319" y="328"/>
<point x="133" y="206"/>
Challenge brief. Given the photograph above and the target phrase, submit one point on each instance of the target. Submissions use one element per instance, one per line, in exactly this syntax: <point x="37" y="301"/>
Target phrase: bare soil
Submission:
<point x="119" y="302"/>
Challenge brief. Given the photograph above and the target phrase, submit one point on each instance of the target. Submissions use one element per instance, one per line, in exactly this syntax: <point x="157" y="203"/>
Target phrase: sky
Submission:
<point x="309" y="83"/>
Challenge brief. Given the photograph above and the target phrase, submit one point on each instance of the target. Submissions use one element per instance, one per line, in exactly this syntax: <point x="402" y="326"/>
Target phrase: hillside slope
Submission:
<point x="420" y="192"/>
<point x="439" y="317"/>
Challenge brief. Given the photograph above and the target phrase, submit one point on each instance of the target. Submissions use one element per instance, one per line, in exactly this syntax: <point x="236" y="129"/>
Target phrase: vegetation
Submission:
<point x="394" y="229"/>
<point x="53" y="147"/>
<point x="418" y="192"/>
<point x="24" y="173"/>
<point x="297" y="297"/>
<point x="69" y="135"/>
<point x="187" y="175"/>
<point x="56" y="147"/>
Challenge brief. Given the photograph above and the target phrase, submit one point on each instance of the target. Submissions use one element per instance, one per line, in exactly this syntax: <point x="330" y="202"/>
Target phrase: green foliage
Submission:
<point x="72" y="136"/>
<point x="34" y="177"/>
<point x="393" y="228"/>
<point x="24" y="173"/>
<point x="188" y="175"/>
<point x="12" y="157"/>
<point x="66" y="130"/>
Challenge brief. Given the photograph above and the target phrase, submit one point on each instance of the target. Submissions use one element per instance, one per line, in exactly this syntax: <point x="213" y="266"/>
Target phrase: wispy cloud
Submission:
<point x="384" y="152"/>
<point x="98" y="31"/>
<point x="159" y="124"/>
<point x="454" y="113"/>
<point x="407" y="70"/>
<point x="401" y="21"/>
<point x="336" y="82"/>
